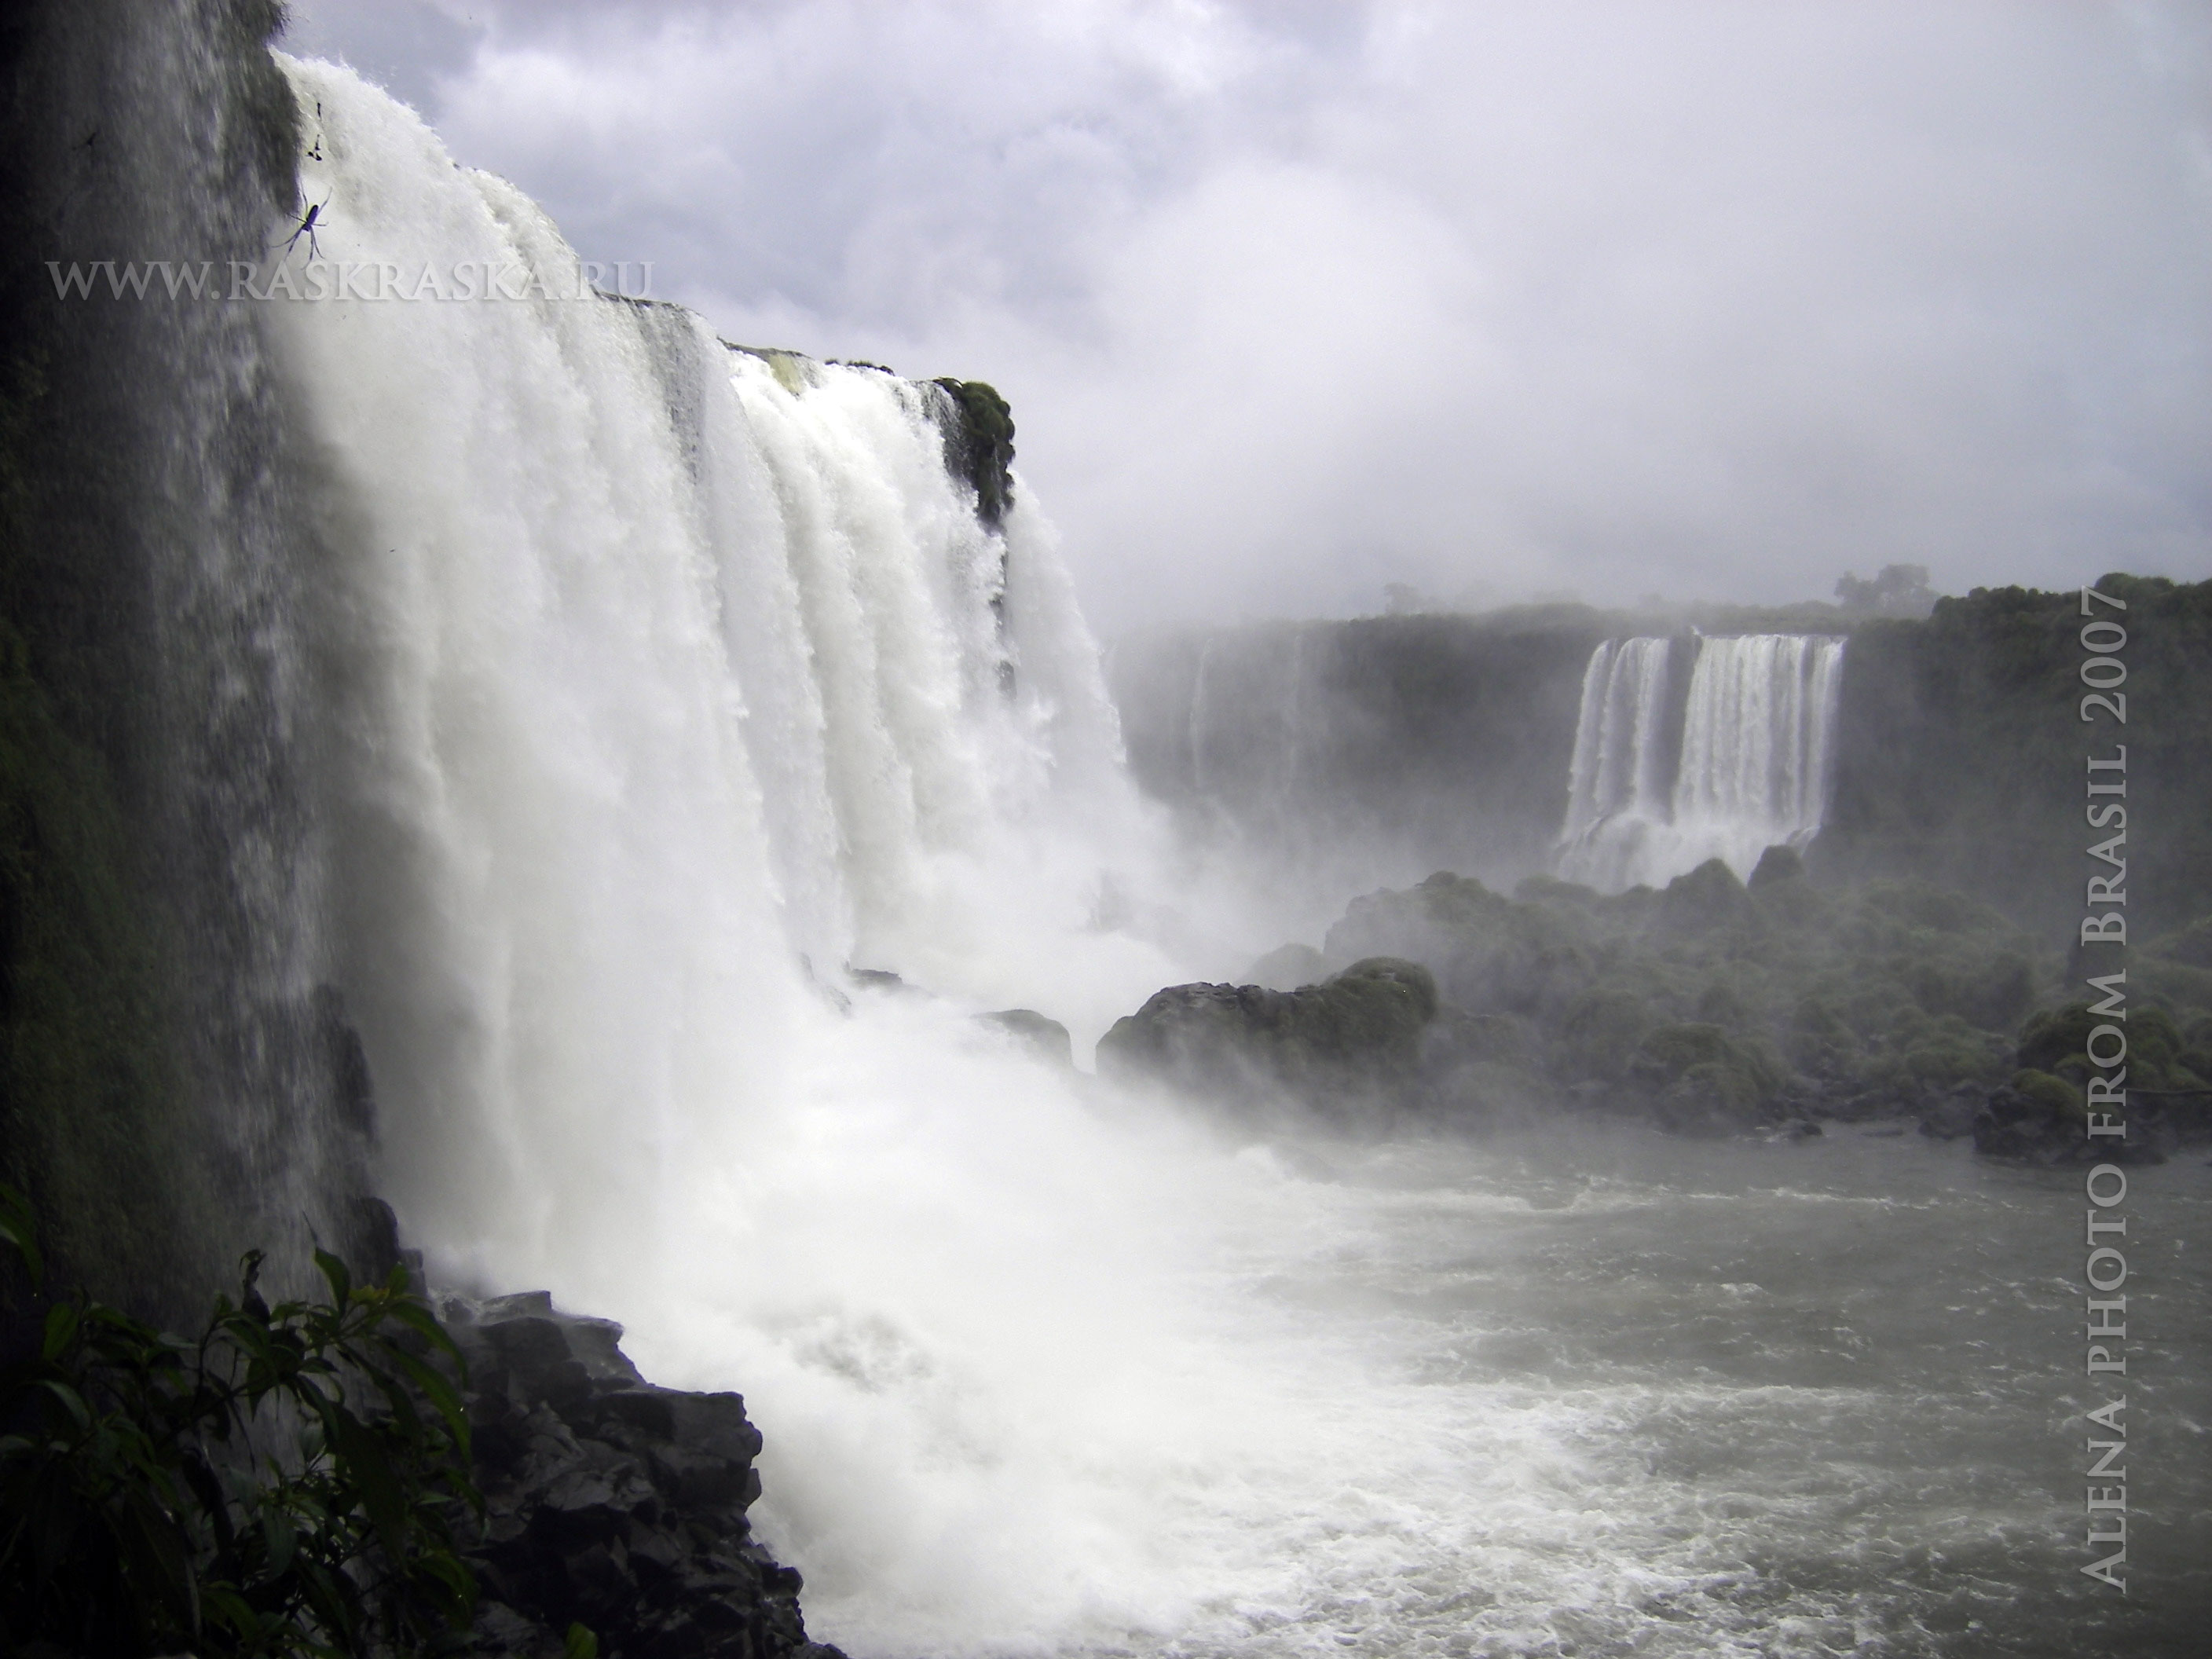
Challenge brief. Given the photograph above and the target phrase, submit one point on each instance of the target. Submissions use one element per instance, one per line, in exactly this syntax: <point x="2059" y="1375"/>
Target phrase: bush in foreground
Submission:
<point x="284" y="1483"/>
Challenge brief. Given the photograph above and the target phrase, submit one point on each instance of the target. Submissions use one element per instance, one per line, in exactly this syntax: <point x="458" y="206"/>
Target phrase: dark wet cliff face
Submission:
<point x="171" y="1090"/>
<point x="1443" y="742"/>
<point x="1961" y="754"/>
<point x="979" y="445"/>
<point x="1392" y="745"/>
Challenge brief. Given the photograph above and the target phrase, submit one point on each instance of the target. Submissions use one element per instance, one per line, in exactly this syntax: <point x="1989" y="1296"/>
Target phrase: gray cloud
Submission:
<point x="1294" y="300"/>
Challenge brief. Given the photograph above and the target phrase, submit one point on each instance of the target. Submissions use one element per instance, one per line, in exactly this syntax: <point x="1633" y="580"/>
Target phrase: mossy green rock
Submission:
<point x="1288" y="968"/>
<point x="2051" y="1096"/>
<point x="978" y="444"/>
<point x="2157" y="1054"/>
<point x="1707" y="899"/>
<point x="1599" y="1035"/>
<point x="1700" y="1078"/>
<point x="1491" y="954"/>
<point x="1352" y="1039"/>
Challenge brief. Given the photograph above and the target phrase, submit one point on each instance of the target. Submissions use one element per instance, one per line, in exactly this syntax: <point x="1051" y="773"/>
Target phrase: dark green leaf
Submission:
<point x="283" y="1541"/>
<point x="443" y="1396"/>
<point x="341" y="1281"/>
<point x="362" y="1458"/>
<point x="19" y="1229"/>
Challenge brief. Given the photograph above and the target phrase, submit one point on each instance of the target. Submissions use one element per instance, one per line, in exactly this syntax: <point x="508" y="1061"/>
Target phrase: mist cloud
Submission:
<point x="1292" y="301"/>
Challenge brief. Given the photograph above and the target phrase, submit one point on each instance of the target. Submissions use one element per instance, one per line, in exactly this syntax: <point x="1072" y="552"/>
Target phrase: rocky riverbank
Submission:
<point x="611" y="1503"/>
<point x="1714" y="1006"/>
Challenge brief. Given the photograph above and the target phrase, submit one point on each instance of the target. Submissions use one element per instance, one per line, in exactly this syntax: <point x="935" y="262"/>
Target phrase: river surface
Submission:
<point x="1618" y="1393"/>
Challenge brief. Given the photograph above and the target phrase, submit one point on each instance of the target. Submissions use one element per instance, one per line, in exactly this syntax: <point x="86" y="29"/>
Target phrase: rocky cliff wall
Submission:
<point x="1373" y="751"/>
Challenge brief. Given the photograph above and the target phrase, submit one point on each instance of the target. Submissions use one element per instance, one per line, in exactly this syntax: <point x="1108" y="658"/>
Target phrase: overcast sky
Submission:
<point x="1715" y="298"/>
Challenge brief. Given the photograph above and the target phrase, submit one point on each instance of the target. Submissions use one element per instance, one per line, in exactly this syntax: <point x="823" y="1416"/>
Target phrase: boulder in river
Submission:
<point x="1331" y="1048"/>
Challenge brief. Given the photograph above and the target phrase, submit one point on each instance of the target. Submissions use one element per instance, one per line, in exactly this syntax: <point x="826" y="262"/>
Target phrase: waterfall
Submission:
<point x="659" y="676"/>
<point x="654" y="681"/>
<point x="1744" y="764"/>
<point x="1616" y="767"/>
<point x="1756" y="740"/>
<point x="151" y="577"/>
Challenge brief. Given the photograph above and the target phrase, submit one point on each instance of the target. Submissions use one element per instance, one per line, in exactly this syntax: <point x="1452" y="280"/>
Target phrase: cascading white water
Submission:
<point x="658" y="681"/>
<point x="1616" y="786"/>
<point x="1754" y="745"/>
<point x="1756" y="741"/>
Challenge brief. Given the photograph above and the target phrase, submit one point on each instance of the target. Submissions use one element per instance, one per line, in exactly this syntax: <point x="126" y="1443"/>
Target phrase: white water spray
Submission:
<point x="657" y="681"/>
<point x="1748" y="767"/>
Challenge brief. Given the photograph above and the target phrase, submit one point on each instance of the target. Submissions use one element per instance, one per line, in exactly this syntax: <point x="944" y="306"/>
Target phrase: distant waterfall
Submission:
<point x="1618" y="759"/>
<point x="1756" y="740"/>
<point x="1744" y="765"/>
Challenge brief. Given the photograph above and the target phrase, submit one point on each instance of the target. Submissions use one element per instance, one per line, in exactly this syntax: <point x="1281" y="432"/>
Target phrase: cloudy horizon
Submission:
<point x="1298" y="300"/>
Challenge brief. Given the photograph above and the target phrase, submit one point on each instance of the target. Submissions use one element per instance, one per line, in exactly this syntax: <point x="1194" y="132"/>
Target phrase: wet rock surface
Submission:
<point x="1349" y="1044"/>
<point x="1711" y="1007"/>
<point x="611" y="1503"/>
<point x="1037" y="1035"/>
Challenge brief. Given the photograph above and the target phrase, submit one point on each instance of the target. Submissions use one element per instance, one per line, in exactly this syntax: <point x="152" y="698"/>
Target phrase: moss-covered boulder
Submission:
<point x="1490" y="954"/>
<point x="1820" y="1044"/>
<point x="2157" y="1056"/>
<point x="1337" y="1047"/>
<point x="1701" y="1079"/>
<point x="1599" y="1036"/>
<point x="978" y="444"/>
<point x="1716" y="1004"/>
<point x="1707" y="899"/>
<point x="2041" y="1118"/>
<point x="1456" y="1038"/>
<point x="1287" y="968"/>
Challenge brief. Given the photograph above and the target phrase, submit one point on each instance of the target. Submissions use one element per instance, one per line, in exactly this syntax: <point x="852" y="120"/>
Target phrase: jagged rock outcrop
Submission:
<point x="1713" y="1006"/>
<point x="611" y="1503"/>
<point x="1490" y="953"/>
<point x="2041" y="1115"/>
<point x="2038" y="1119"/>
<point x="1698" y="1079"/>
<point x="1041" y="1037"/>
<point x="1338" y="1049"/>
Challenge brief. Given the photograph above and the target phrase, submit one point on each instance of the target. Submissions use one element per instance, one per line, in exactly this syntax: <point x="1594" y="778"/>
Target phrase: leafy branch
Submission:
<point x="287" y="1483"/>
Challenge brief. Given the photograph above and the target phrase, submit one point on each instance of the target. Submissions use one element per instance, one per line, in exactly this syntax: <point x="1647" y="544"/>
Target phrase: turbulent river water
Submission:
<point x="1812" y="1399"/>
<point x="1603" y="1392"/>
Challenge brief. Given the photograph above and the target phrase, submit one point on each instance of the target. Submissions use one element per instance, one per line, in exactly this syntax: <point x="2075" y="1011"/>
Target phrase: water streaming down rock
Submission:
<point x="653" y="669"/>
<point x="205" y="1106"/>
<point x="1739" y="761"/>
<point x="634" y="684"/>
<point x="656" y="681"/>
<point x="1619" y="770"/>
